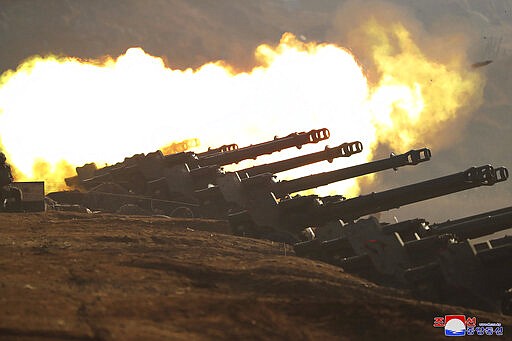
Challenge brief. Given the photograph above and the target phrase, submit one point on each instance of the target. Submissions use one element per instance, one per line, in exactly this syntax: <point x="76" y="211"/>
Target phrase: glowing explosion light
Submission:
<point x="60" y="112"/>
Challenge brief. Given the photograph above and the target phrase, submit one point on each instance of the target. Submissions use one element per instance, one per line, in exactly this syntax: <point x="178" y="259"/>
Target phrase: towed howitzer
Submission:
<point x="469" y="274"/>
<point x="89" y="175"/>
<point x="223" y="190"/>
<point x="209" y="184"/>
<point x="482" y="270"/>
<point x="434" y="267"/>
<point x="416" y="232"/>
<point x="256" y="196"/>
<point x="175" y="177"/>
<point x="296" y="214"/>
<point x="135" y="172"/>
<point x="258" y="193"/>
<point x="474" y="226"/>
<point x="417" y="235"/>
<point x="401" y="245"/>
<point x="353" y="208"/>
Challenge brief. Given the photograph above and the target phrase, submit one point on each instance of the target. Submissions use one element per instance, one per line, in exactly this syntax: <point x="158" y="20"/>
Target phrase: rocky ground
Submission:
<point x="70" y="276"/>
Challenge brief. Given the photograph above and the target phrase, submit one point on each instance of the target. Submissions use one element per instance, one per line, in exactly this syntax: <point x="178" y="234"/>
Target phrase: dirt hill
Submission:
<point x="66" y="276"/>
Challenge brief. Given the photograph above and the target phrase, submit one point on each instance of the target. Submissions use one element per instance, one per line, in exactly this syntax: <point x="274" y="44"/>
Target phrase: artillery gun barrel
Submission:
<point x="382" y="201"/>
<point x="476" y="226"/>
<point x="412" y="157"/>
<point x="357" y="207"/>
<point x="269" y="147"/>
<point x="473" y="217"/>
<point x="221" y="149"/>
<point x="328" y="154"/>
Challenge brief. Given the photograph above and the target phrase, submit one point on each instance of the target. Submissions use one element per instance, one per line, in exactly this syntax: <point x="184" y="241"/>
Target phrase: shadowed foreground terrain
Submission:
<point x="67" y="276"/>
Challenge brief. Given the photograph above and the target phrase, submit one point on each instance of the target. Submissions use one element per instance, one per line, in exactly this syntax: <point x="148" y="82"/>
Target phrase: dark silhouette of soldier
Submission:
<point x="7" y="190"/>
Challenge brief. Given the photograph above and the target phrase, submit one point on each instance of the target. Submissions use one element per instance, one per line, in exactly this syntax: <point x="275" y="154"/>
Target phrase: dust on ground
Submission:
<point x="70" y="276"/>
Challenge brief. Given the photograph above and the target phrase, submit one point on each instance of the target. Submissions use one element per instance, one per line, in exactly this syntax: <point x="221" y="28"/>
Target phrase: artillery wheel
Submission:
<point x="182" y="212"/>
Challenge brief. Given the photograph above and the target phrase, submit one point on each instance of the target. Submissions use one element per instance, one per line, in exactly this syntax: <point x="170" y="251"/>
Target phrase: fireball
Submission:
<point x="60" y="112"/>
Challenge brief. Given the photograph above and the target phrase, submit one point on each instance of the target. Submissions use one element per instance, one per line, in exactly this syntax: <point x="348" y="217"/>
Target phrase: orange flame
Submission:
<point x="416" y="97"/>
<point x="55" y="108"/>
<point x="178" y="147"/>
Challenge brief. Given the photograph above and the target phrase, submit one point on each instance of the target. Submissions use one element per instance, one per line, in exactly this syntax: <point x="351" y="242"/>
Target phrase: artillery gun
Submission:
<point x="207" y="185"/>
<point x="293" y="215"/>
<point x="162" y="182"/>
<point x="473" y="274"/>
<point x="265" y="182"/>
<point x="258" y="195"/>
<point x="481" y="270"/>
<point x="224" y="190"/>
<point x="473" y="226"/>
<point x="431" y="260"/>
<point x="149" y="166"/>
<point x="135" y="172"/>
